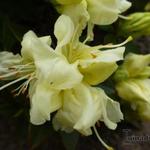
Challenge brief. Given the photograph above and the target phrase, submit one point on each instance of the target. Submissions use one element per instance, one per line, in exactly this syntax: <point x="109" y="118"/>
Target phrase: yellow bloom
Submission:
<point x="99" y="12"/>
<point x="137" y="25"/>
<point x="42" y="65"/>
<point x="137" y="65"/>
<point x="60" y="79"/>
<point x="83" y="106"/>
<point x="133" y="83"/>
<point x="137" y="93"/>
<point x="134" y="90"/>
<point x="95" y="65"/>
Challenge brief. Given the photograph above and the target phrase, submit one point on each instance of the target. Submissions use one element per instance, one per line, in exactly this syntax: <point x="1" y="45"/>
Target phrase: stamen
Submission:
<point x="14" y="73"/>
<point x="28" y="64"/>
<point x="113" y="46"/>
<point x="24" y="67"/>
<point x="125" y="17"/>
<point x="8" y="75"/>
<point x="100" y="139"/>
<point x="13" y="91"/>
<point x="15" y="81"/>
<point x="23" y="87"/>
<point x="20" y="91"/>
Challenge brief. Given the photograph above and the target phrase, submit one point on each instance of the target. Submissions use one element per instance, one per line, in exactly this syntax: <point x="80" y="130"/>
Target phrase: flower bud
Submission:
<point x="136" y="25"/>
<point x="147" y="7"/>
<point x="133" y="83"/>
<point x="134" y="90"/>
<point x="144" y="110"/>
<point x="134" y="66"/>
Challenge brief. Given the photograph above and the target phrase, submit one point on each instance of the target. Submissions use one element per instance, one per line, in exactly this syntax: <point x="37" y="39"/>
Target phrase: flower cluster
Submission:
<point x="61" y="80"/>
<point x="65" y="79"/>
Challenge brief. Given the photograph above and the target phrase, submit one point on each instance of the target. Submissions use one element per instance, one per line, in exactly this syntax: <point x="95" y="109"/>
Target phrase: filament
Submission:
<point x="13" y="82"/>
<point x="23" y="87"/>
<point x="125" y="17"/>
<point x="113" y="46"/>
<point x="100" y="139"/>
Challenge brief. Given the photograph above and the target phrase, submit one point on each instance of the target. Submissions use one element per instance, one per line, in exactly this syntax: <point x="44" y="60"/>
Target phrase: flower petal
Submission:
<point x="111" y="113"/>
<point x="124" y="5"/>
<point x="83" y="106"/>
<point x="134" y="90"/>
<point x="101" y="66"/>
<point x="58" y="73"/>
<point x="77" y="12"/>
<point x="80" y="110"/>
<point x="79" y="15"/>
<point x="63" y="31"/>
<point x="103" y="12"/>
<point x="137" y="69"/>
<point x="34" y="48"/>
<point x="49" y="64"/>
<point x="143" y="109"/>
<point x="46" y="39"/>
<point x="43" y="102"/>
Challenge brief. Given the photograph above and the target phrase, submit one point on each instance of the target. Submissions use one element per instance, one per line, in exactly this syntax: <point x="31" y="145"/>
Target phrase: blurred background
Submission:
<point x="16" y="18"/>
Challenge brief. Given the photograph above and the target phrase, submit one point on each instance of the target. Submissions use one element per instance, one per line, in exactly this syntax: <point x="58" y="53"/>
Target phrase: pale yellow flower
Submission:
<point x="134" y="90"/>
<point x="43" y="66"/>
<point x="99" y="12"/>
<point x="95" y="65"/>
<point x="60" y="80"/>
<point x="133" y="83"/>
<point x="136" y="25"/>
<point x="55" y="75"/>
<point x="83" y="106"/>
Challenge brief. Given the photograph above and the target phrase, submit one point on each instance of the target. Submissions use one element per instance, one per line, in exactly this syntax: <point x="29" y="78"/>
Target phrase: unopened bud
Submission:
<point x="136" y="25"/>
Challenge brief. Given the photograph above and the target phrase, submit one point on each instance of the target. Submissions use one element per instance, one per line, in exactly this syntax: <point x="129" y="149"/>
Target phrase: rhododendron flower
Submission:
<point x="40" y="64"/>
<point x="83" y="106"/>
<point x="61" y="80"/>
<point x="99" y="12"/>
<point x="95" y="65"/>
